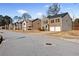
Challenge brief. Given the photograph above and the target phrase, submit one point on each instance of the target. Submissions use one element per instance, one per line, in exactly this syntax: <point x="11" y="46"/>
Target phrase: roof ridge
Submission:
<point x="58" y="15"/>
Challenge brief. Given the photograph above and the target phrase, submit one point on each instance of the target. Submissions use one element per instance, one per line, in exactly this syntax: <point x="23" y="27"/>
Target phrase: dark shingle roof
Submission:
<point x="58" y="15"/>
<point x="35" y="19"/>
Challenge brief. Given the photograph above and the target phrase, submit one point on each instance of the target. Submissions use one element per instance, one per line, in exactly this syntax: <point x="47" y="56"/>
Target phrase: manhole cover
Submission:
<point x="48" y="43"/>
<point x="21" y="37"/>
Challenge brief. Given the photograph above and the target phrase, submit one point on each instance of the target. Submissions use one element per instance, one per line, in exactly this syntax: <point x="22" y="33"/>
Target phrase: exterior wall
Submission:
<point x="20" y="26"/>
<point x="36" y="25"/>
<point x="45" y="24"/>
<point x="24" y="26"/>
<point x="55" y="23"/>
<point x="75" y="26"/>
<point x="27" y="25"/>
<point x="66" y="23"/>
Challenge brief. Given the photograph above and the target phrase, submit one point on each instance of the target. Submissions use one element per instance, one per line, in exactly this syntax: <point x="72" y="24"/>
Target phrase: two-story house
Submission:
<point x="26" y="25"/>
<point x="36" y="24"/>
<point x="59" y="22"/>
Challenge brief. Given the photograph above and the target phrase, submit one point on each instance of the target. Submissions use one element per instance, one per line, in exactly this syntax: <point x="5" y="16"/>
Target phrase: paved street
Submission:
<point x="19" y="44"/>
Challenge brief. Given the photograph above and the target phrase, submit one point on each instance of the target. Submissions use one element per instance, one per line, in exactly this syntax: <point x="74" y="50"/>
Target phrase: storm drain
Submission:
<point x="21" y="37"/>
<point x="48" y="43"/>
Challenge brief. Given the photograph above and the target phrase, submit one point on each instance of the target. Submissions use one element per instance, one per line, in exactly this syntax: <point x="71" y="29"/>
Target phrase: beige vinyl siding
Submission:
<point x="44" y="23"/>
<point x="66" y="23"/>
<point x="36" y="25"/>
<point x="56" y="23"/>
<point x="24" y="26"/>
<point x="27" y="25"/>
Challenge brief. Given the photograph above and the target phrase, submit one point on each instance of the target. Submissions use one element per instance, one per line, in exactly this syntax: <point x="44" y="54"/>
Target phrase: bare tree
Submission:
<point x="53" y="9"/>
<point x="26" y="16"/>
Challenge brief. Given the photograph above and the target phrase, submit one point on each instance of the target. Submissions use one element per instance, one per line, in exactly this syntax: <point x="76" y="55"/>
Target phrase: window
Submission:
<point x="57" y="20"/>
<point x="52" y="21"/>
<point x="24" y="23"/>
<point x="46" y="26"/>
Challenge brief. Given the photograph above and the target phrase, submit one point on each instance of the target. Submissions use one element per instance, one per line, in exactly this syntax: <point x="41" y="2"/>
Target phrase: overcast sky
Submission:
<point x="36" y="9"/>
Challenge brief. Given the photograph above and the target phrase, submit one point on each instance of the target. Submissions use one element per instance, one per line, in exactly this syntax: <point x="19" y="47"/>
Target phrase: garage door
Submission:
<point x="52" y="28"/>
<point x="56" y="28"/>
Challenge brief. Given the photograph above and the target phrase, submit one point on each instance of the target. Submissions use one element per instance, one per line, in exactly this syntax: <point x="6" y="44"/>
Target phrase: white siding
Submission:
<point x="24" y="26"/>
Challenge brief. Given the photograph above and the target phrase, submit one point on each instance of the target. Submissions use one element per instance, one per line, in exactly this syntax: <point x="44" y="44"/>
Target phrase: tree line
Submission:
<point x="25" y="16"/>
<point x="5" y="20"/>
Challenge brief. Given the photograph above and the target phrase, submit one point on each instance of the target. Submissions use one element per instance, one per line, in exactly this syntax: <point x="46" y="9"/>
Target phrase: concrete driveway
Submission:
<point x="19" y="44"/>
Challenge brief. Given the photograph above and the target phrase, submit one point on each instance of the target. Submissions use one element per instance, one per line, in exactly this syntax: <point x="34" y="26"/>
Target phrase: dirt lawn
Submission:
<point x="74" y="34"/>
<point x="67" y="35"/>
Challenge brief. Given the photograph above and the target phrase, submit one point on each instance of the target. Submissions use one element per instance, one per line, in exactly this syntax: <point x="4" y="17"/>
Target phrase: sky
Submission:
<point x="36" y="9"/>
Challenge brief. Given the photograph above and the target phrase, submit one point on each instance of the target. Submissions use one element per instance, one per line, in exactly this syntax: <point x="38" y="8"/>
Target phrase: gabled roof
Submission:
<point x="58" y="15"/>
<point x="27" y="20"/>
<point x="35" y="19"/>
